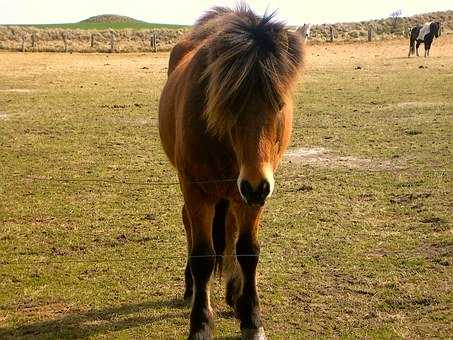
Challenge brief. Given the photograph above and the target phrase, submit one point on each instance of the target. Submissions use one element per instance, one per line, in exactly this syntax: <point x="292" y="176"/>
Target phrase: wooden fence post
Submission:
<point x="370" y="34"/>
<point x="92" y="40"/>
<point x="64" y="35"/>
<point x="153" y="42"/>
<point x="24" y="38"/>
<point x="33" y="40"/>
<point x="331" y="34"/>
<point x="112" y="41"/>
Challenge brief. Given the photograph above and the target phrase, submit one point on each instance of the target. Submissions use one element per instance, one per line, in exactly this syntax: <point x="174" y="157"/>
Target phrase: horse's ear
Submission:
<point x="300" y="30"/>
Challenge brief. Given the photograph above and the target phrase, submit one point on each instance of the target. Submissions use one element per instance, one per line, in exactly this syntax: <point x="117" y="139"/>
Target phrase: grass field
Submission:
<point x="356" y="242"/>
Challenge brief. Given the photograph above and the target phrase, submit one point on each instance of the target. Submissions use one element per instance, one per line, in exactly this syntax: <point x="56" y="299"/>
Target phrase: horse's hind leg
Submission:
<point x="231" y="264"/>
<point x="411" y="47"/>
<point x="218" y="233"/>
<point x="417" y="46"/>
<point x="188" y="291"/>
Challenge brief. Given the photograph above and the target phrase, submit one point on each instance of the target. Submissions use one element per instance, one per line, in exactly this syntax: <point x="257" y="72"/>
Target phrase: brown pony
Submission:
<point x="225" y="119"/>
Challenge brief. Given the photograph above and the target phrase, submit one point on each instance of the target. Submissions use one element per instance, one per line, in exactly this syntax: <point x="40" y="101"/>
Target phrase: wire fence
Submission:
<point x="158" y="182"/>
<point x="31" y="39"/>
<point x="155" y="182"/>
<point x="125" y="259"/>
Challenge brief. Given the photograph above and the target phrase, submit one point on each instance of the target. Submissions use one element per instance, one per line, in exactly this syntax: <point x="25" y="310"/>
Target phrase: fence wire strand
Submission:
<point x="127" y="259"/>
<point x="437" y="170"/>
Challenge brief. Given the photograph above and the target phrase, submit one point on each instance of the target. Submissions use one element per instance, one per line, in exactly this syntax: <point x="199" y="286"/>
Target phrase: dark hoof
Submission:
<point x="201" y="324"/>
<point x="253" y="334"/>
<point x="203" y="334"/>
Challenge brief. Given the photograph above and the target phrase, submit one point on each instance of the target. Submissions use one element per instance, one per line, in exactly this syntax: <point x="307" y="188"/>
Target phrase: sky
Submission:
<point x="293" y="12"/>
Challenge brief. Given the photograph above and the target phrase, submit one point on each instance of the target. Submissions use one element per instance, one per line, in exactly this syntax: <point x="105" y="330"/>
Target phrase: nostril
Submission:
<point x="255" y="195"/>
<point x="264" y="189"/>
<point x="246" y="189"/>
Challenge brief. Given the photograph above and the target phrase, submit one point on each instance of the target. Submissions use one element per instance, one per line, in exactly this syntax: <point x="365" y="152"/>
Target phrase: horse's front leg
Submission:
<point x="247" y="250"/>
<point x="201" y="262"/>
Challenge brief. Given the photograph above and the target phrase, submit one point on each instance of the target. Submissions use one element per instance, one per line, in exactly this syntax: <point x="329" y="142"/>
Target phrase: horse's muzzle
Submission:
<point x="255" y="196"/>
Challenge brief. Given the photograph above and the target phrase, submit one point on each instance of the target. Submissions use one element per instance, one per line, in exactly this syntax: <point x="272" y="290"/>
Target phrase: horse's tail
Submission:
<point x="412" y="48"/>
<point x="218" y="234"/>
<point x="251" y="58"/>
<point x="414" y="33"/>
<point x="411" y="43"/>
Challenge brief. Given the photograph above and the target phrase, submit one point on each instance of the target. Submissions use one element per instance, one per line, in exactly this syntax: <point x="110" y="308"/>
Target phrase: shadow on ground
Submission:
<point x="83" y="324"/>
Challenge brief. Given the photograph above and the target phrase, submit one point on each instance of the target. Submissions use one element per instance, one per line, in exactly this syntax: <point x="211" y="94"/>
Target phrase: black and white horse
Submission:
<point x="424" y="34"/>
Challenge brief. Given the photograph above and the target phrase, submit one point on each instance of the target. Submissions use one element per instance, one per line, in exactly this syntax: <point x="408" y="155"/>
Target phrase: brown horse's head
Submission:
<point x="253" y="63"/>
<point x="259" y="140"/>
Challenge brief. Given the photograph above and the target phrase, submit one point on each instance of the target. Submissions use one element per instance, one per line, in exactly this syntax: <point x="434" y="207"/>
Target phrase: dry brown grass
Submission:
<point x="383" y="29"/>
<point x="79" y="40"/>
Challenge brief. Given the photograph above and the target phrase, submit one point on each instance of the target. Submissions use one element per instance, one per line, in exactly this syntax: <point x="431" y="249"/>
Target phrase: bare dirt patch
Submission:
<point x="322" y="157"/>
<point x="17" y="90"/>
<point x="135" y="121"/>
<point x="418" y="104"/>
<point x="414" y="104"/>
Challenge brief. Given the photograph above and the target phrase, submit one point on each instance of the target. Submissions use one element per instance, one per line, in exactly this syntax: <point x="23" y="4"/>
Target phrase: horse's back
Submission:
<point x="181" y="93"/>
<point x="168" y="102"/>
<point x="177" y="54"/>
<point x="180" y="98"/>
<point x="419" y="32"/>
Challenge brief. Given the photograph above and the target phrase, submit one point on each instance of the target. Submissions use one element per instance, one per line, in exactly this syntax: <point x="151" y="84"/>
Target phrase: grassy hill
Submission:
<point x="113" y="18"/>
<point x="106" y="21"/>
